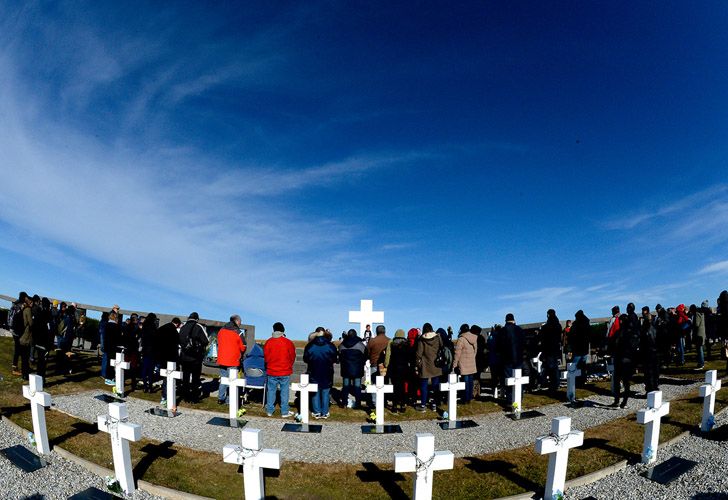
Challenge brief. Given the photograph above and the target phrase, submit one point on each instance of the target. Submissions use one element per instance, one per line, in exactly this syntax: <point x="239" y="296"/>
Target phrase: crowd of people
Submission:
<point x="414" y="362"/>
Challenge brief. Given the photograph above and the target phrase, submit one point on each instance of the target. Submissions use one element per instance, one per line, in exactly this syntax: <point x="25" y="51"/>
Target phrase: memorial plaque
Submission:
<point x="457" y="424"/>
<point x="227" y="422"/>
<point x="312" y="428"/>
<point x="163" y="412"/>
<point x="23" y="458"/>
<point x="669" y="470"/>
<point x="381" y="429"/>
<point x="526" y="415"/>
<point x="93" y="494"/>
<point x="107" y="398"/>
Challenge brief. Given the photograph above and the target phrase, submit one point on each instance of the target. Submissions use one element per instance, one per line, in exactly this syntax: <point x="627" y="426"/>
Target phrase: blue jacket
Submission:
<point x="320" y="355"/>
<point x="254" y="366"/>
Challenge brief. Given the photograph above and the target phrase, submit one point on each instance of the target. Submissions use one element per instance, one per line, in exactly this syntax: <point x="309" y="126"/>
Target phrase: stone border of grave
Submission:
<point x="154" y="489"/>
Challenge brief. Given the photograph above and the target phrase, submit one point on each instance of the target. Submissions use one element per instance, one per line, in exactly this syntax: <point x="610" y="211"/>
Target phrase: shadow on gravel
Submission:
<point x="718" y="434"/>
<point x="386" y="478"/>
<point x="603" y="444"/>
<point x="78" y="429"/>
<point x="153" y="452"/>
<point x="503" y="469"/>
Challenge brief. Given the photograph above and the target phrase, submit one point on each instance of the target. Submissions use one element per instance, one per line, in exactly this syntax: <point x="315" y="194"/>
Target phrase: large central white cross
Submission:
<point x="254" y="459"/>
<point x="39" y="401"/>
<point x="571" y="373"/>
<point x="380" y="389"/>
<point x="517" y="381"/>
<point x="452" y="386"/>
<point x="652" y="416"/>
<point x="115" y="423"/>
<point x="707" y="392"/>
<point x="119" y="366"/>
<point x="366" y="316"/>
<point x="234" y="383"/>
<point x="171" y="373"/>
<point x="557" y="445"/>
<point x="304" y="388"/>
<point x="423" y="462"/>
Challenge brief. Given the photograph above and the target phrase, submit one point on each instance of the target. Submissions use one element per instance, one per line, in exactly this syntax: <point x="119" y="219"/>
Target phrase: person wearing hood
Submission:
<point x="427" y="349"/>
<point x="413" y="381"/>
<point x="551" y="351"/>
<point x="193" y="346"/>
<point x="449" y="351"/>
<point x="230" y="349"/>
<point x="684" y="326"/>
<point x="464" y="360"/>
<point x="280" y="354"/>
<point x="626" y="351"/>
<point x="397" y="362"/>
<point x="320" y="355"/>
<point x="352" y="357"/>
<point x="579" y="343"/>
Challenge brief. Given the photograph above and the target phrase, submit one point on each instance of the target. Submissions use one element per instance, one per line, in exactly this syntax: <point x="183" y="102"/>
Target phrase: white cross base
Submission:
<point x="119" y="366"/>
<point x="171" y="373"/>
<point x="234" y="383"/>
<point x="423" y="462"/>
<point x="517" y="381"/>
<point x="304" y="388"/>
<point x="39" y="401"/>
<point x="570" y="374"/>
<point x="254" y="459"/>
<point x="707" y="392"/>
<point x="652" y="416"/>
<point x="366" y="316"/>
<point x="452" y="386"/>
<point x="557" y="445"/>
<point x="115" y="423"/>
<point x="380" y="389"/>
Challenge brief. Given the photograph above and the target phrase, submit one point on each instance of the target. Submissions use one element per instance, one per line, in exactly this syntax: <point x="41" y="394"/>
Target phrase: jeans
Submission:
<point x="701" y="356"/>
<point x="681" y="350"/>
<point x="104" y="365"/>
<point x="351" y="386"/>
<point x="468" y="379"/>
<point x="320" y="401"/>
<point x="424" y="383"/>
<point x="148" y="371"/>
<point x="272" y="385"/>
<point x="551" y="373"/>
<point x="222" y="392"/>
<point x="16" y="351"/>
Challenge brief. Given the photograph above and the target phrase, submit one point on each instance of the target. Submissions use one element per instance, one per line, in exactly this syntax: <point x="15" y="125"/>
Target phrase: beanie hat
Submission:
<point x="22" y="296"/>
<point x="464" y="328"/>
<point x="476" y="330"/>
<point x="193" y="315"/>
<point x="278" y="327"/>
<point x="399" y="334"/>
<point x="55" y="302"/>
<point x="509" y="317"/>
<point x="351" y="333"/>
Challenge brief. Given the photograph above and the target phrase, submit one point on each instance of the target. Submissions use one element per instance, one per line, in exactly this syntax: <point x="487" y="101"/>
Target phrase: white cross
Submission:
<point x="119" y="366"/>
<point x="254" y="459"/>
<point x="517" y="381"/>
<point x="571" y="373"/>
<point x="366" y="316"/>
<point x="39" y="401"/>
<point x="423" y="462"/>
<point x="233" y="383"/>
<point x="452" y="386"/>
<point x="171" y="373"/>
<point x="707" y="392"/>
<point x="656" y="409"/>
<point x="115" y="423"/>
<point x="539" y="364"/>
<point x="304" y="388"/>
<point x="557" y="445"/>
<point x="380" y="389"/>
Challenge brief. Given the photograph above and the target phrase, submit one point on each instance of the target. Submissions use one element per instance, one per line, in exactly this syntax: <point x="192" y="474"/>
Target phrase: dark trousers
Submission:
<point x="551" y="373"/>
<point x="623" y="372"/>
<point x="148" y="371"/>
<point x="652" y="373"/>
<point x="40" y="360"/>
<point x="191" y="380"/>
<point x="399" y="394"/>
<point x="63" y="364"/>
<point x="24" y="353"/>
<point x="16" y="351"/>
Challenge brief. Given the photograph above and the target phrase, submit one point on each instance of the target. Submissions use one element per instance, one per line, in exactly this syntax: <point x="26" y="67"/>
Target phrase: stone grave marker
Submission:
<point x="254" y="459"/>
<point x="652" y="417"/>
<point x="39" y="401"/>
<point x="669" y="470"/>
<point x="707" y="392"/>
<point x="93" y="493"/>
<point x="117" y="425"/>
<point x="304" y="388"/>
<point x="379" y="389"/>
<point x="23" y="458"/>
<point x="452" y="386"/>
<point x="557" y="445"/>
<point x="423" y="462"/>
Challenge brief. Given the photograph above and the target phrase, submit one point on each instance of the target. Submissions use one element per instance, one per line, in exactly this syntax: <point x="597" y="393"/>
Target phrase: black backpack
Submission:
<point x="16" y="320"/>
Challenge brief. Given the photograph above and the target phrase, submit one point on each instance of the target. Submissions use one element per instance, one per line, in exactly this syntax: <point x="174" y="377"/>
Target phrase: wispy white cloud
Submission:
<point x="715" y="268"/>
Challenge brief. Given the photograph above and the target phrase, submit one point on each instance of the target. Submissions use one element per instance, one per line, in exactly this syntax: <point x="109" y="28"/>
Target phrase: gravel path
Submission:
<point x="59" y="480"/>
<point x="344" y="442"/>
<point x="707" y="480"/>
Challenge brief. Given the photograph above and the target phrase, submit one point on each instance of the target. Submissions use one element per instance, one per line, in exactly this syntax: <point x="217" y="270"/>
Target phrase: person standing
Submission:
<point x="42" y="335"/>
<point x="193" y="345"/>
<point x="427" y="349"/>
<point x="25" y="340"/>
<point x="17" y="327"/>
<point x="130" y="344"/>
<point x="397" y="363"/>
<point x="352" y="357"/>
<point x="320" y="355"/>
<point x="649" y="350"/>
<point x="112" y="342"/>
<point x="579" y="343"/>
<point x="699" y="336"/>
<point x="551" y="350"/>
<point x="280" y="354"/>
<point x="148" y="338"/>
<point x="464" y="359"/>
<point x="166" y="349"/>
<point x="626" y="350"/>
<point x="367" y="334"/>
<point x="230" y="349"/>
<point x="66" y="335"/>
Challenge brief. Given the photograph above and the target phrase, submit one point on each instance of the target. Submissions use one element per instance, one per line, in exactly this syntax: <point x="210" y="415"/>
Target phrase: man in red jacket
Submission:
<point x="229" y="349"/>
<point x="280" y="354"/>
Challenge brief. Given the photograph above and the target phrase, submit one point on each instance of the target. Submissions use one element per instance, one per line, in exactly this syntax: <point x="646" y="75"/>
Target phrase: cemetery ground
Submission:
<point x="497" y="474"/>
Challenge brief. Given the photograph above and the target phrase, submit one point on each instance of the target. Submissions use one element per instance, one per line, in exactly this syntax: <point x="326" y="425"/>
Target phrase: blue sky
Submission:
<point x="450" y="162"/>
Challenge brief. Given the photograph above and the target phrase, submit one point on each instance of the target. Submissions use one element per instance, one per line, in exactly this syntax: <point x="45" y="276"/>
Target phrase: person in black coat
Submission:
<point x="42" y="335"/>
<point x="578" y="339"/>
<point x="353" y="354"/>
<point x="626" y="352"/>
<point x="649" y="350"/>
<point x="397" y="360"/>
<point x="111" y="344"/>
<point x="193" y="346"/>
<point x="149" y="333"/>
<point x="551" y="350"/>
<point x="510" y="350"/>
<point x="320" y="355"/>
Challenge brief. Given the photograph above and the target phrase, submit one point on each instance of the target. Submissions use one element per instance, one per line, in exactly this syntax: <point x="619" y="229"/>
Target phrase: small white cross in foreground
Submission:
<point x="652" y="416"/>
<point x="39" y="400"/>
<point x="115" y="423"/>
<point x="423" y="462"/>
<point x="380" y="389"/>
<point x="557" y="445"/>
<point x="254" y="459"/>
<point x="707" y="392"/>
<point x="171" y="373"/>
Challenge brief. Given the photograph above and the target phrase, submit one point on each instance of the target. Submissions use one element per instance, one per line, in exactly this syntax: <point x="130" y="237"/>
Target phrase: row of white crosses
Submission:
<point x="234" y="383"/>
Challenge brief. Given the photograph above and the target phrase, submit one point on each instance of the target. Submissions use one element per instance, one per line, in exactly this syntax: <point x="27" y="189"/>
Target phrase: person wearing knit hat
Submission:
<point x="397" y="363"/>
<point x="280" y="354"/>
<point x="320" y="355"/>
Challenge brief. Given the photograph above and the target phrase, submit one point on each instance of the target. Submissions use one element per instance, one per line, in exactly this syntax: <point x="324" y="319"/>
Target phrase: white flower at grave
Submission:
<point x="516" y="407"/>
<point x="241" y="412"/>
<point x="445" y="414"/>
<point x="649" y="453"/>
<point x="298" y="417"/>
<point x="112" y="484"/>
<point x="31" y="439"/>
